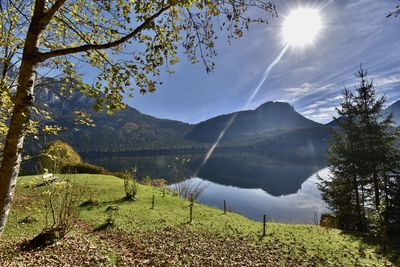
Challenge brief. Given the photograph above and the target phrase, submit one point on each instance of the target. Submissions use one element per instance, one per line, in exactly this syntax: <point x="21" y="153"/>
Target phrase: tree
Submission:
<point x="364" y="160"/>
<point x="58" y="154"/>
<point x="342" y="191"/>
<point x="5" y="109"/>
<point x="126" y="42"/>
<point x="379" y="155"/>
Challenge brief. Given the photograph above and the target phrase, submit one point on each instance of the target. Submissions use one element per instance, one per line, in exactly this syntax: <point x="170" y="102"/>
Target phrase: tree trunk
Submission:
<point x="360" y="222"/>
<point x="11" y="160"/>
<point x="362" y="200"/>
<point x="376" y="186"/>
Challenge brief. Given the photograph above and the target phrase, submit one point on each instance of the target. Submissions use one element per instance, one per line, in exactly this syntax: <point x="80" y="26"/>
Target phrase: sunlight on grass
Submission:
<point x="170" y="211"/>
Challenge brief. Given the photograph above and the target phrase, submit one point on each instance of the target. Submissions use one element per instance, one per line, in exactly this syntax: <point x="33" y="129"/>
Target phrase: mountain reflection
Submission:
<point x="276" y="175"/>
<point x="303" y="206"/>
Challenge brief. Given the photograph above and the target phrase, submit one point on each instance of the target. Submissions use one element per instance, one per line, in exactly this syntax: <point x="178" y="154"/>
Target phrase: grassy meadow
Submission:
<point x="163" y="236"/>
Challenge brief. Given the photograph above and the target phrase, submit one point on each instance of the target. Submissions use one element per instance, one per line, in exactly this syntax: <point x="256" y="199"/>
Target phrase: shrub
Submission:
<point x="82" y="168"/>
<point x="328" y="220"/>
<point x="61" y="214"/>
<point x="130" y="187"/>
<point x="158" y="182"/>
<point x="62" y="200"/>
<point x="57" y="154"/>
<point x="146" y="180"/>
<point x="190" y="189"/>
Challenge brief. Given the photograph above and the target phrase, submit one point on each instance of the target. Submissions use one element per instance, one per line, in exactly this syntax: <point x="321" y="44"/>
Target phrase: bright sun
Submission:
<point x="301" y="26"/>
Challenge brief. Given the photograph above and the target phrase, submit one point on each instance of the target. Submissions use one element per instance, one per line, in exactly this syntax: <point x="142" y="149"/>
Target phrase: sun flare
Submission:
<point x="301" y="27"/>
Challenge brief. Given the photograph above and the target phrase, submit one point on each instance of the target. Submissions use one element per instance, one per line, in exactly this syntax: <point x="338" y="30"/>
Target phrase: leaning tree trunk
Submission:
<point x="11" y="161"/>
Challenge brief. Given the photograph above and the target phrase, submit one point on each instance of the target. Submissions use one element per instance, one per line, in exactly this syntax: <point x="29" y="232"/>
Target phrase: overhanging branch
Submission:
<point x="72" y="50"/>
<point x="50" y="13"/>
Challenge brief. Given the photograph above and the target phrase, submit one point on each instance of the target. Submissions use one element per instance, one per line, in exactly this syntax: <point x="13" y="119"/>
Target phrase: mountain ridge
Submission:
<point x="269" y="116"/>
<point x="131" y="130"/>
<point x="126" y="128"/>
<point x="393" y="108"/>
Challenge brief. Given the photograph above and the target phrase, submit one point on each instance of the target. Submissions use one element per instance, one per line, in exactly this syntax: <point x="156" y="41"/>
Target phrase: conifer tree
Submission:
<point x="364" y="161"/>
<point x="342" y="191"/>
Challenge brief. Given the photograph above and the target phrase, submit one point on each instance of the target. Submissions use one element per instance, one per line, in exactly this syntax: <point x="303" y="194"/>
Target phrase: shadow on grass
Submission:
<point x="392" y="252"/>
<point x="108" y="224"/>
<point x="90" y="203"/>
<point x="44" y="239"/>
<point x="110" y="205"/>
<point x="119" y="201"/>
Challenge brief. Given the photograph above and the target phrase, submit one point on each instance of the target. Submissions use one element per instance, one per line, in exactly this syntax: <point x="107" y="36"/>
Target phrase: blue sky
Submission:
<point x="310" y="79"/>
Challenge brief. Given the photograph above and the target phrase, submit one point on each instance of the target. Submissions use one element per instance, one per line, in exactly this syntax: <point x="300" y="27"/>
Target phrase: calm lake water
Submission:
<point x="282" y="187"/>
<point x="299" y="207"/>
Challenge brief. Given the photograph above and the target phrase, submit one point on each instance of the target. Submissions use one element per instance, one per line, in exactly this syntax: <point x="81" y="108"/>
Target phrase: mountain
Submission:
<point x="127" y="129"/>
<point x="393" y="108"/>
<point x="273" y="127"/>
<point x="333" y="123"/>
<point x="269" y="117"/>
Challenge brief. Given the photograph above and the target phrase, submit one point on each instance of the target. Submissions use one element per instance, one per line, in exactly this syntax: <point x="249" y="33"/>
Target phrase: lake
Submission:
<point x="304" y="206"/>
<point x="253" y="184"/>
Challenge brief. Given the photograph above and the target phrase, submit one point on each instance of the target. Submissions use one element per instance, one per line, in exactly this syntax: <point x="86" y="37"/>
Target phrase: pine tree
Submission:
<point x="364" y="161"/>
<point x="372" y="131"/>
<point x="342" y="192"/>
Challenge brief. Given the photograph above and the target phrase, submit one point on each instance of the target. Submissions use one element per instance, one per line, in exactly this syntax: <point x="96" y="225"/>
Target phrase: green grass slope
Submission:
<point x="163" y="236"/>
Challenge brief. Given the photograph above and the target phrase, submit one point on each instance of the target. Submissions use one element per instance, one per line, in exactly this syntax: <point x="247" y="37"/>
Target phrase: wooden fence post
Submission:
<point x="190" y="212"/>
<point x="264" y="224"/>
<point x="224" y="206"/>
<point x="152" y="202"/>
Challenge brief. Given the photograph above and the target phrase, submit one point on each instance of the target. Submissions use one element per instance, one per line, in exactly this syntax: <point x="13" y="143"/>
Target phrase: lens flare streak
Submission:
<point x="246" y="106"/>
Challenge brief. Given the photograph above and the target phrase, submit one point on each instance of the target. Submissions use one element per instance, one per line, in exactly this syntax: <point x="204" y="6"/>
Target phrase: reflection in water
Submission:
<point x="299" y="207"/>
<point x="277" y="176"/>
<point x="253" y="184"/>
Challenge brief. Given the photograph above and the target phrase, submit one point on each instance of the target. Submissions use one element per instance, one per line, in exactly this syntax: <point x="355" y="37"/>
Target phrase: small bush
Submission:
<point x="130" y="187"/>
<point x="154" y="182"/>
<point x="61" y="214"/>
<point x="61" y="206"/>
<point x="82" y="168"/>
<point x="56" y="154"/>
<point x="190" y="189"/>
<point x="328" y="220"/>
<point x="130" y="184"/>
<point x="146" y="180"/>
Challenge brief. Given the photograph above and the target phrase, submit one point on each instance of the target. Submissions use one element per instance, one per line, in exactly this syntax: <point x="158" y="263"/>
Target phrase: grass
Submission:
<point x="161" y="235"/>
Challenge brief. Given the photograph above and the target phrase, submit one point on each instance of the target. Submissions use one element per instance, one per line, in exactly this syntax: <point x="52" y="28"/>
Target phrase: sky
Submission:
<point x="310" y="79"/>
